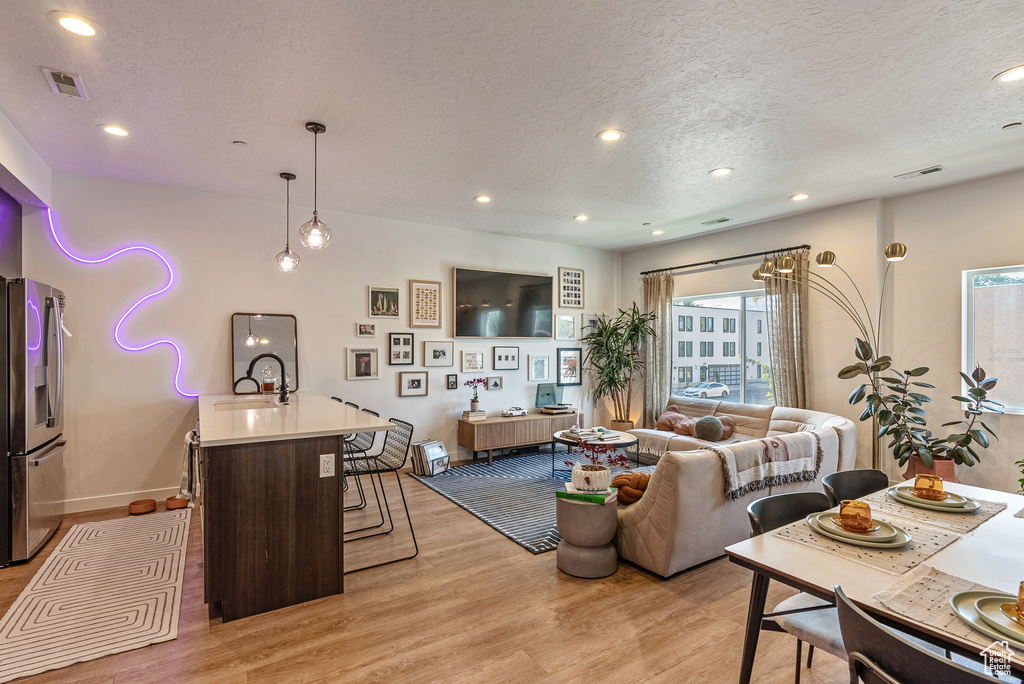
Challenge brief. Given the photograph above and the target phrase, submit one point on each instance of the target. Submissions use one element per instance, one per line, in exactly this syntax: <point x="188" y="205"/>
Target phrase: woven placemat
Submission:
<point x="927" y="541"/>
<point x="923" y="596"/>
<point x="958" y="523"/>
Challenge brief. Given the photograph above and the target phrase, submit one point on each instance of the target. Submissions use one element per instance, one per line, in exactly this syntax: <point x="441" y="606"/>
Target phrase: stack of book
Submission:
<point x="429" y="458"/>
<point x="555" y="409"/>
<point x="604" y="496"/>
<point x="597" y="436"/>
<point x="474" y="415"/>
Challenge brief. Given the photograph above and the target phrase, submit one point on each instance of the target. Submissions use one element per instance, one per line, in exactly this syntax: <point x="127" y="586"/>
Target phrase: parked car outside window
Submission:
<point x="707" y="389"/>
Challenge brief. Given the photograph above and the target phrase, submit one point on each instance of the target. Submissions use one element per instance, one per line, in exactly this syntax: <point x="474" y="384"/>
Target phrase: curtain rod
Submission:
<point x="716" y="262"/>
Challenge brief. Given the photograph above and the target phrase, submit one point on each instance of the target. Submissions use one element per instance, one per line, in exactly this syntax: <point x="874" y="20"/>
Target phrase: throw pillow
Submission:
<point x="670" y="419"/>
<point x="708" y="428"/>
<point x="631" y="486"/>
<point x="728" y="426"/>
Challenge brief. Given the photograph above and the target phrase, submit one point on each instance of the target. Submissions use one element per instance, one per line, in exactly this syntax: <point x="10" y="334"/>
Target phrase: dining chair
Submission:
<point x="878" y="655"/>
<point x="853" y="484"/>
<point x="807" y="618"/>
<point x="391" y="458"/>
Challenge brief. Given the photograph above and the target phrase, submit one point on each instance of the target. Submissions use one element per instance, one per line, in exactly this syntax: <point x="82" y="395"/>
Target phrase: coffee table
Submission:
<point x="624" y="441"/>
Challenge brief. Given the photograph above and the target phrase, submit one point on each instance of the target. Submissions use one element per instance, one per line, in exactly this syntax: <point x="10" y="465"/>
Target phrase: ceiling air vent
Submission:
<point x="65" y="84"/>
<point x="919" y="172"/>
<point x="716" y="221"/>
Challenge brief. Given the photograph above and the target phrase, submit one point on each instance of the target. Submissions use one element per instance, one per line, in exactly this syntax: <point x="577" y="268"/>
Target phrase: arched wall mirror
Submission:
<point x="253" y="334"/>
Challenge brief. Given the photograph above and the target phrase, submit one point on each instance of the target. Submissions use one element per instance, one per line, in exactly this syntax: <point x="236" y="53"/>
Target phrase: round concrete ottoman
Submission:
<point x="587" y="531"/>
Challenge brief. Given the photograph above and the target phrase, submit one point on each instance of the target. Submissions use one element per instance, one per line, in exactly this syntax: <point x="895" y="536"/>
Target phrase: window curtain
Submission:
<point x="787" y="332"/>
<point x="658" y="348"/>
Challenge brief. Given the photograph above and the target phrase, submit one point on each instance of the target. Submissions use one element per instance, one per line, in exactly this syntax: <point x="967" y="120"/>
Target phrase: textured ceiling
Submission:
<point x="428" y="103"/>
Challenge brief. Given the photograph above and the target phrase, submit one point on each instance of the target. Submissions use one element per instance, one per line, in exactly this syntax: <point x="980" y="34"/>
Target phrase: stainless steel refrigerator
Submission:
<point x="34" y="399"/>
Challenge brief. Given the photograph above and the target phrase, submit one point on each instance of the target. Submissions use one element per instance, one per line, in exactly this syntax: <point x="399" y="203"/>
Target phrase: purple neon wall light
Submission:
<point x="138" y="302"/>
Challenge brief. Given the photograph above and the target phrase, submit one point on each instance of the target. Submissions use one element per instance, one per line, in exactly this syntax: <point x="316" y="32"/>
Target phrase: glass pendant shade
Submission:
<point x="786" y="264"/>
<point x="314" y="233"/>
<point x="826" y="259"/>
<point x="250" y="340"/>
<point x="767" y="268"/>
<point x="287" y="260"/>
<point x="758" y="275"/>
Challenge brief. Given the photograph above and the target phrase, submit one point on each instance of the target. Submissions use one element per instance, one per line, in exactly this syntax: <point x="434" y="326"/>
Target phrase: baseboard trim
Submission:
<point x="95" y="503"/>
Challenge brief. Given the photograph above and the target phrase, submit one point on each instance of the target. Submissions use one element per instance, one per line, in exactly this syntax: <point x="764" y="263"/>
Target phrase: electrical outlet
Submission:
<point x="326" y="465"/>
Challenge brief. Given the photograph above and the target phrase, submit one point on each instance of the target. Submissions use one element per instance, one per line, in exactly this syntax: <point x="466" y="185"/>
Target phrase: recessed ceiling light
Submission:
<point x="610" y="135"/>
<point x="1013" y="74"/>
<point x="581" y="217"/>
<point x="114" y="130"/>
<point x="77" y="24"/>
<point x="800" y="197"/>
<point x="721" y="171"/>
<point x="482" y="199"/>
<point x="657" y="232"/>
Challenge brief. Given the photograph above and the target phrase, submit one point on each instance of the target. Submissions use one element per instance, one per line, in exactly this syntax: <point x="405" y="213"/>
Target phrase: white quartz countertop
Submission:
<point x="305" y="415"/>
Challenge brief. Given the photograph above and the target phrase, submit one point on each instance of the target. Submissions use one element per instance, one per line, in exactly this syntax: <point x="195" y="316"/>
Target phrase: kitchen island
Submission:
<point x="272" y="498"/>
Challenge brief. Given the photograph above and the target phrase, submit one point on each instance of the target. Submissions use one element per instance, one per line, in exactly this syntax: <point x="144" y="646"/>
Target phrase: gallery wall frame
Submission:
<point x="413" y="383"/>
<point x="401" y="349"/>
<point x="570" y="288"/>
<point x="570" y="366"/>
<point x="424" y="304"/>
<point x="362" y="363"/>
<point x="438" y="353"/>
<point x="382" y="302"/>
<point x="504" y="358"/>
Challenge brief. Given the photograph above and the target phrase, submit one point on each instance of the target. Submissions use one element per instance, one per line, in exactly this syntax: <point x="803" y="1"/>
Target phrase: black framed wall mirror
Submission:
<point x="255" y="334"/>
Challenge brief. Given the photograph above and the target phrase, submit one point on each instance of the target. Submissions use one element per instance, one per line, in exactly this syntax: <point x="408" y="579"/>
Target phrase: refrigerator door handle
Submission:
<point x="53" y="404"/>
<point x="51" y="452"/>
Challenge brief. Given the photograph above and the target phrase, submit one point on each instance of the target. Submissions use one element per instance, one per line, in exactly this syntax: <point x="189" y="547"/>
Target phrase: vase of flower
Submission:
<point x="474" y="384"/>
<point x="591" y="478"/>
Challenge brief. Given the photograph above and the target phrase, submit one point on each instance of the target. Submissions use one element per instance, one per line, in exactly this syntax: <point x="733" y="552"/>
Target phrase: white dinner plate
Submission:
<point x="902" y="536"/>
<point x="884" y="533"/>
<point x="969" y="507"/>
<point x="963" y="606"/>
<point x="951" y="501"/>
<point x="988" y="610"/>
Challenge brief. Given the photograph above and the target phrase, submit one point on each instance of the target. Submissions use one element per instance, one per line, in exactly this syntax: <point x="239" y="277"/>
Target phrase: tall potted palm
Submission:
<point x="613" y="359"/>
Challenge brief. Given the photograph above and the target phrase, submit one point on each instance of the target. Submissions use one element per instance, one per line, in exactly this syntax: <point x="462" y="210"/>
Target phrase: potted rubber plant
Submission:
<point x="895" y="400"/>
<point x="613" y="359"/>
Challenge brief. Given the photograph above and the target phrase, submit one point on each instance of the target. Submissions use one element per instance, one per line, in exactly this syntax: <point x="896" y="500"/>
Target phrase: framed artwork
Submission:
<point x="505" y="358"/>
<point x="439" y="354"/>
<point x="424" y="304"/>
<point x="412" y="384"/>
<point x="538" y="367"/>
<point x="570" y="366"/>
<point x="588" y="323"/>
<point x="452" y="381"/>
<point x="362" y="363"/>
<point x="494" y="382"/>
<point x="383" y="302"/>
<point x="570" y="288"/>
<point x="565" y="327"/>
<point x="472" y="361"/>
<point x="400" y="349"/>
<point x="366" y="329"/>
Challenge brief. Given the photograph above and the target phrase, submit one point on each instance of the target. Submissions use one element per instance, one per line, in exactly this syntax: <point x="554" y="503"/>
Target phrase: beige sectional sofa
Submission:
<point x="685" y="518"/>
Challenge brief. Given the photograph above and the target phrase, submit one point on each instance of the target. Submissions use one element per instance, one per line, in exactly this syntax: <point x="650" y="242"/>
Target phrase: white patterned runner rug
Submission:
<point x="109" y="587"/>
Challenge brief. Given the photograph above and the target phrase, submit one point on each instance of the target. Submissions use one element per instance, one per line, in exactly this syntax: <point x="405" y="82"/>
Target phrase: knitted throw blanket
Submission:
<point x="654" y="445"/>
<point x="761" y="463"/>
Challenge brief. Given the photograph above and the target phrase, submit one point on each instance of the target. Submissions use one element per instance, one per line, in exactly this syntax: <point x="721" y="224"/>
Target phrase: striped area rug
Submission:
<point x="515" y="496"/>
<point x="109" y="587"/>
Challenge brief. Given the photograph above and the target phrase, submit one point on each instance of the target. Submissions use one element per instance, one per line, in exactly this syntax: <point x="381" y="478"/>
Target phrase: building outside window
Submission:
<point x="743" y="364"/>
<point x="686" y="324"/>
<point x="993" y="339"/>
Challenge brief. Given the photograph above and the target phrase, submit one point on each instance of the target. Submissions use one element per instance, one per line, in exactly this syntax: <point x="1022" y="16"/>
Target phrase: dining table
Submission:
<point x="908" y="588"/>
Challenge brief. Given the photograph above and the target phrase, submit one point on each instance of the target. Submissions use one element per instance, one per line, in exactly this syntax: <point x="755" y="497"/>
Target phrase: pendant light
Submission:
<point x="250" y="340"/>
<point x="313" y="233"/>
<point x="287" y="261"/>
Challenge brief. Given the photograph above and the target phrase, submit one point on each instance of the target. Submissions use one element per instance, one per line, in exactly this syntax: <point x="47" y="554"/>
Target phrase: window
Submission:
<point x="732" y="363"/>
<point x="993" y="331"/>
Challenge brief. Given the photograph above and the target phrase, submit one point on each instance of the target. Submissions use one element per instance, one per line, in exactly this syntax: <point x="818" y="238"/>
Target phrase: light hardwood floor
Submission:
<point x="472" y="607"/>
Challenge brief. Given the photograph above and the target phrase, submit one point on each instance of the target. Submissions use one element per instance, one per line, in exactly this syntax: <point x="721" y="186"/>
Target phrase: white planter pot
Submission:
<point x="591" y="480"/>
